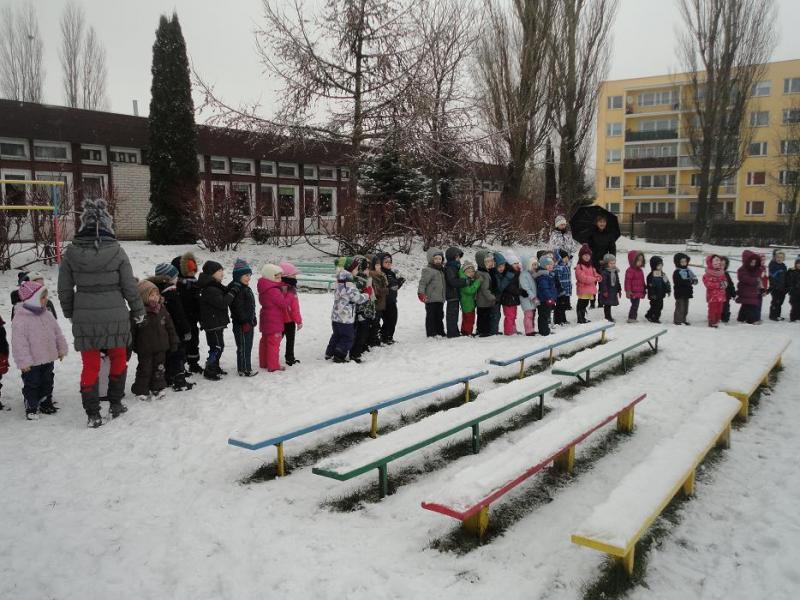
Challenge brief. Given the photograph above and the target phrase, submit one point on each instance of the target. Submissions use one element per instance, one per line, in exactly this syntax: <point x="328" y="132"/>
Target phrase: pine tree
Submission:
<point x="174" y="172"/>
<point x="387" y="175"/>
<point x="550" y="193"/>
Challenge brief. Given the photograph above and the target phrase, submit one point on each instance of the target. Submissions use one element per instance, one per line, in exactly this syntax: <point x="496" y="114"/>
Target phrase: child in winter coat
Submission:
<point x="563" y="276"/>
<point x="793" y="289"/>
<point x="166" y="279"/>
<point x="609" y="290"/>
<point x="635" y="286"/>
<point x="431" y="291"/>
<point x="529" y="300"/>
<point x="243" y="317"/>
<point x="22" y="277"/>
<point x="453" y="285"/>
<point x="730" y="290"/>
<point x="380" y="287"/>
<point x="716" y="284"/>
<point x="485" y="299"/>
<point x="546" y="293"/>
<point x="189" y="293"/>
<point x="748" y="291"/>
<point x="36" y="343"/>
<point x="365" y="313"/>
<point x="153" y="338"/>
<point x="777" y="284"/>
<point x="395" y="281"/>
<point x="497" y="274"/>
<point x="214" y="300"/>
<point x="586" y="278"/>
<point x="658" y="288"/>
<point x="467" y="294"/>
<point x="683" y="278"/>
<point x="345" y="299"/>
<point x="3" y="353"/>
<point x="511" y="293"/>
<point x="294" y="320"/>
<point x="272" y="318"/>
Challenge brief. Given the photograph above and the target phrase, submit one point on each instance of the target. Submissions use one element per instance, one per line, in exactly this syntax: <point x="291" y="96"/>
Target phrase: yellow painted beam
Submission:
<point x="478" y="523"/>
<point x="466" y="391"/>
<point x="373" y="430"/>
<point x="25" y="207"/>
<point x="724" y="440"/>
<point x="688" y="484"/>
<point x="627" y="561"/>
<point x="625" y="420"/>
<point x="281" y="466"/>
<point x="566" y="460"/>
<point x="595" y="545"/>
<point x="522" y="368"/>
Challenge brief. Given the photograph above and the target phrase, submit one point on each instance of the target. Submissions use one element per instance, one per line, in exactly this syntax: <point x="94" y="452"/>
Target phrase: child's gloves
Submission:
<point x="3" y="364"/>
<point x="139" y="320"/>
<point x="246" y="328"/>
<point x="628" y="295"/>
<point x="422" y="297"/>
<point x="523" y="293"/>
<point x="400" y="282"/>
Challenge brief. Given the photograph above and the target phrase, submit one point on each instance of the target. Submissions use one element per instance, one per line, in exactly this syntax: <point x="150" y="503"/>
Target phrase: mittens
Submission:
<point x="3" y="364"/>
<point x="422" y="297"/>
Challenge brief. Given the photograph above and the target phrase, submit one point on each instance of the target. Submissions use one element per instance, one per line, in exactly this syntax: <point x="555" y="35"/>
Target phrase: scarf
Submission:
<point x="715" y="272"/>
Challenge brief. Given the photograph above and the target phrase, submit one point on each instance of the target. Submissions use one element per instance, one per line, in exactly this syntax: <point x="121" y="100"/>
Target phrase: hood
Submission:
<point x="512" y="258"/>
<point x="633" y="255"/>
<point x="93" y="256"/>
<point x="711" y="257"/>
<point x="529" y="264"/>
<point x="453" y="253"/>
<point x="749" y="255"/>
<point x="678" y="257"/>
<point x="184" y="262"/>
<point x="289" y="270"/>
<point x="270" y="272"/>
<point x="480" y="259"/>
<point x="145" y="288"/>
<point x="433" y="252"/>
<point x="585" y="249"/>
<point x="499" y="259"/>
<point x="265" y="284"/>
<point x="205" y="280"/>
<point x="656" y="262"/>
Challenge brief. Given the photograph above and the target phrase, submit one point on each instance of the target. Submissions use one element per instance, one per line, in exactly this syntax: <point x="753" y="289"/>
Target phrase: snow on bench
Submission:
<point x="616" y="525"/>
<point x="749" y="374"/>
<point x="256" y="435"/>
<point x="399" y="443"/>
<point x="468" y="493"/>
<point x="550" y="343"/>
<point x="586" y="360"/>
<point x="316" y="281"/>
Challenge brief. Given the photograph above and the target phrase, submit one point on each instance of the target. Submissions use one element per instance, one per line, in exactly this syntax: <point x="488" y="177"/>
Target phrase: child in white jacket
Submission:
<point x="527" y="281"/>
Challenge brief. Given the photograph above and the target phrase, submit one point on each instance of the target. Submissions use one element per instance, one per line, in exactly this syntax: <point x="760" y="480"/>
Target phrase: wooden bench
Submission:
<point x="692" y="246"/>
<point x="316" y="281"/>
<point x="551" y="342"/>
<point x="257" y="437"/>
<point x="752" y="372"/>
<point x="468" y="494"/>
<point x="616" y="525"/>
<point x="586" y="360"/>
<point x="399" y="443"/>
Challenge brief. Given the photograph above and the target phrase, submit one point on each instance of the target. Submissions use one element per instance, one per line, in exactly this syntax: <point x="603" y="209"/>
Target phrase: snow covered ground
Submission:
<point x="152" y="505"/>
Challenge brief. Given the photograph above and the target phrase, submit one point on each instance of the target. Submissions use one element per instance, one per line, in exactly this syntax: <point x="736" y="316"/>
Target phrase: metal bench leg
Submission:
<point x="625" y="420"/>
<point x="688" y="485"/>
<point x="588" y="375"/>
<point x="624" y="368"/>
<point x="373" y="430"/>
<point x="522" y="368"/>
<point x="281" y="466"/>
<point x="476" y="438"/>
<point x="724" y="440"/>
<point x="466" y="391"/>
<point x="603" y="336"/>
<point x="566" y="460"/>
<point x="744" y="410"/>
<point x="552" y="357"/>
<point x="541" y="406"/>
<point x="383" y="481"/>
<point x="627" y="562"/>
<point x="478" y="523"/>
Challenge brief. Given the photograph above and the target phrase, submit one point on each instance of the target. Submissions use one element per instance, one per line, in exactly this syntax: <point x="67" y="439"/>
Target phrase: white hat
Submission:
<point x="512" y="258"/>
<point x="270" y="271"/>
<point x="561" y="220"/>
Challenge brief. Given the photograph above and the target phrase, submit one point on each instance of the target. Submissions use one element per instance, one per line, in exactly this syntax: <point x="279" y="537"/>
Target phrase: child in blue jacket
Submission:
<point x="546" y="293"/>
<point x="563" y="276"/>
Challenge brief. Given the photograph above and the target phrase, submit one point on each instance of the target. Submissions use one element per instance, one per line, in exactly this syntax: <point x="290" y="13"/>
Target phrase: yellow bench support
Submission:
<point x="478" y="523"/>
<point x="625" y="420"/>
<point x="744" y="397"/>
<point x="466" y="391"/>
<point x="373" y="430"/>
<point x="281" y="466"/>
<point x="566" y="460"/>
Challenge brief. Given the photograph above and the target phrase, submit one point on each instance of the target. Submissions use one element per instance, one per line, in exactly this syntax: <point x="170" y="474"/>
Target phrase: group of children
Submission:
<point x="499" y="286"/>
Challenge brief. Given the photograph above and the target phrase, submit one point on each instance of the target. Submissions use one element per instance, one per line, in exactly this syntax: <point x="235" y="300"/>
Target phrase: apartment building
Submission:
<point x="643" y="167"/>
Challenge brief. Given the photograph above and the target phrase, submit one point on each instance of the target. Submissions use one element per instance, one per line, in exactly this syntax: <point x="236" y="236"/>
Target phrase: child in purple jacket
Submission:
<point x="36" y="343"/>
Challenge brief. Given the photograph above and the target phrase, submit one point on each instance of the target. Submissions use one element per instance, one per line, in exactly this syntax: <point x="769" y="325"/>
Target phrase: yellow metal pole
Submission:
<point x="373" y="431"/>
<point x="627" y="562"/>
<point x="522" y="368"/>
<point x="281" y="469"/>
<point x="625" y="420"/>
<point x="566" y="460"/>
<point x="552" y="356"/>
<point x="603" y="336"/>
<point x="688" y="485"/>
<point x="466" y="391"/>
<point x="478" y="523"/>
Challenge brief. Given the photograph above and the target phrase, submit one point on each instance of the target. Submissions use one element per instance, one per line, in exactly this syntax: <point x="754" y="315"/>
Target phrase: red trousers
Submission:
<point x="467" y="323"/>
<point x="269" y="351"/>
<point x="715" y="312"/>
<point x="91" y="365"/>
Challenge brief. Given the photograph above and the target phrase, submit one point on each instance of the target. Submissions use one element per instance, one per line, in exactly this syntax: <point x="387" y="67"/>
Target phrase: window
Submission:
<point x="754" y="208"/>
<point x="287" y="197"/>
<point x="14" y="194"/>
<point x="326" y="199"/>
<point x="219" y="164"/>
<point x="660" y="208"/>
<point x="614" y="129"/>
<point x="50" y="190"/>
<point x="761" y="88"/>
<point x="791" y="85"/>
<point x="309" y="202"/>
<point x="93" y="186"/>
<point x="267" y="168"/>
<point x="242" y="166"/>
<point x="265" y="206"/>
<point x="791" y="115"/>
<point x="287" y="170"/>
<point x="790" y="146"/>
<point x="51" y="151"/>
<point x="612" y="183"/>
<point x="328" y="173"/>
<point x="93" y="154"/>
<point x="759" y="118"/>
<point x="345" y="172"/>
<point x="655" y="181"/>
<point x="15" y="149"/>
<point x="613" y="156"/>
<point x="309" y="172"/>
<point x="659" y="125"/>
<point x="486" y="186"/>
<point x="219" y="190"/>
<point x="785" y="207"/>
<point x="612" y="207"/>
<point x="656" y="98"/>
<point x="614" y="102"/>
<point x="123" y="155"/>
<point x="788" y="177"/>
<point x="756" y="178"/>
<point x="648" y="151"/>
<point x="242" y="193"/>
<point x="757" y="149"/>
<point x="201" y="163"/>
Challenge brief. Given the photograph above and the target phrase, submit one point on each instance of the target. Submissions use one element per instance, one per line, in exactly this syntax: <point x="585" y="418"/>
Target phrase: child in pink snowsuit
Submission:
<point x="716" y="288"/>
<point x="586" y="278"/>
<point x="293" y="321"/>
<point x="635" y="286"/>
<point x="271" y="318"/>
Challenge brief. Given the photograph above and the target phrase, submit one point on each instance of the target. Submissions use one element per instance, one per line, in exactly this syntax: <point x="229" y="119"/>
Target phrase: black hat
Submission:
<point x="211" y="266"/>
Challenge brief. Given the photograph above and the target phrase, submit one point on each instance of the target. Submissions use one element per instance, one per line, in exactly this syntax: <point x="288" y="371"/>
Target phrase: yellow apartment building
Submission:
<point x="643" y="165"/>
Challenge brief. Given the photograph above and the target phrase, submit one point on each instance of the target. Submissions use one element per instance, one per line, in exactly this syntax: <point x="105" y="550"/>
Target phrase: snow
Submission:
<point x="618" y="520"/>
<point x="760" y="358"/>
<point x="478" y="481"/>
<point x="578" y="363"/>
<point x="151" y="506"/>
<point x="408" y="436"/>
<point x="560" y="338"/>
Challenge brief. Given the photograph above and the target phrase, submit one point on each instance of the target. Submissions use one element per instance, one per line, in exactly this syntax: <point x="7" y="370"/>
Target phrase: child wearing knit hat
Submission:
<point x="37" y="341"/>
<point x="272" y="318"/>
<point x="546" y="293"/>
<point x="152" y="340"/>
<point x="294" y="319"/>
<point x="215" y="299"/>
<point x="243" y="316"/>
<point x="610" y="289"/>
<point x="166" y="280"/>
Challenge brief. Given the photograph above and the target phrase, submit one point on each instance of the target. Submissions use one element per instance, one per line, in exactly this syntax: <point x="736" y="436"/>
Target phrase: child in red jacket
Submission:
<point x="716" y="288"/>
<point x="272" y="318"/>
<point x="635" y="287"/>
<point x="293" y="321"/>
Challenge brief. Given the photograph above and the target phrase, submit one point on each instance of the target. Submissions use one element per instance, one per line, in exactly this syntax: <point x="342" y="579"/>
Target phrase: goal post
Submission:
<point x="58" y="188"/>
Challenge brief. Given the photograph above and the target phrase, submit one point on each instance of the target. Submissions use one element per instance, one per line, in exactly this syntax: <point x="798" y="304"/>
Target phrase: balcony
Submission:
<point x="646" y="192"/>
<point x="649" y="136"/>
<point x="654" y="162"/>
<point x="691" y="190"/>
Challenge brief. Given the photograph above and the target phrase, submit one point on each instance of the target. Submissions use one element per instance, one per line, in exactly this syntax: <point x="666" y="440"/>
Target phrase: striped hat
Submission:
<point x="241" y="268"/>
<point x="166" y="270"/>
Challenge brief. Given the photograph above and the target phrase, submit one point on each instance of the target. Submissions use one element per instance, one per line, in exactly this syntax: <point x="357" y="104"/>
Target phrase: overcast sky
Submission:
<point x="219" y="37"/>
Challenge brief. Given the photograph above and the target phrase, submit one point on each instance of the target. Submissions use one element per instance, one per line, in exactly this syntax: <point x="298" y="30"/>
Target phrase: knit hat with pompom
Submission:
<point x="95" y="216"/>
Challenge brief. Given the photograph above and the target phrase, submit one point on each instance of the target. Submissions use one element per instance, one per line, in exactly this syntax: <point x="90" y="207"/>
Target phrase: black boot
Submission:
<point x="211" y="372"/>
<point x="180" y="384"/>
<point x="46" y="407"/>
<point x="91" y="404"/>
<point x="116" y="391"/>
<point x="194" y="367"/>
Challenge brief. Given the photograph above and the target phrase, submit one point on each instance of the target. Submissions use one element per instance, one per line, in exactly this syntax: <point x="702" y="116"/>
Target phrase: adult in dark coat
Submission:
<point x="98" y="293"/>
<point x="453" y="284"/>
<point x="602" y="242"/>
<point x="189" y="292"/>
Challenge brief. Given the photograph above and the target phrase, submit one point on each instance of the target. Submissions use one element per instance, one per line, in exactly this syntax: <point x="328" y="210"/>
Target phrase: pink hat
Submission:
<point x="288" y="269"/>
<point x="28" y="289"/>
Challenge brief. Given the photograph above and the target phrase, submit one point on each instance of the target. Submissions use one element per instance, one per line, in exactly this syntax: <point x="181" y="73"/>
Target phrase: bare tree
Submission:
<point x="72" y="26"/>
<point x="581" y="44"/>
<point x="786" y="185"/>
<point x="724" y="50"/>
<point x="93" y="72"/>
<point x="512" y="76"/>
<point x="21" y="70"/>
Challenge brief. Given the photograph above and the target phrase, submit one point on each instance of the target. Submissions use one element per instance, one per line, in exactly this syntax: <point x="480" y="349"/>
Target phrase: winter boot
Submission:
<point x="94" y="421"/>
<point x="194" y="367"/>
<point x="46" y="407"/>
<point x="180" y="384"/>
<point x="91" y="402"/>
<point x="116" y="391"/>
<point x="211" y="372"/>
<point x="118" y="410"/>
<point x="31" y="415"/>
